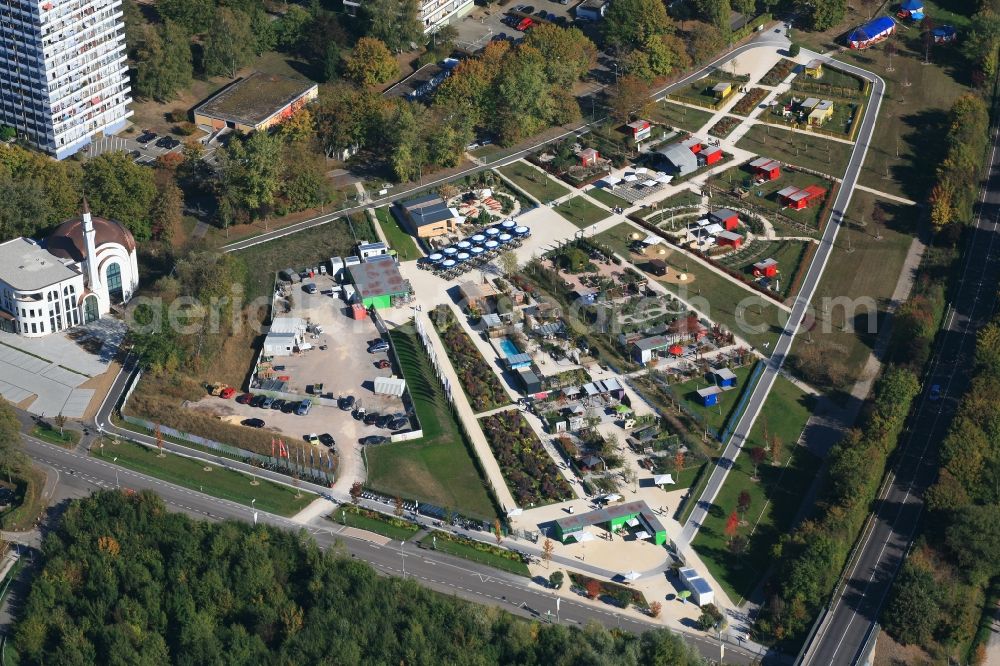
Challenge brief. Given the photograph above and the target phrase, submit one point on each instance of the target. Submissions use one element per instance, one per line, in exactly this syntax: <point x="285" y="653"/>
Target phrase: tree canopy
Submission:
<point x="122" y="190"/>
<point x="124" y="581"/>
<point x="628" y="23"/>
<point x="370" y="62"/>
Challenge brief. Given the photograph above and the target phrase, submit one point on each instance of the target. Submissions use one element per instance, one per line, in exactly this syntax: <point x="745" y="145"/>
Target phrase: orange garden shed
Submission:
<point x="766" y="169"/>
<point x="767" y="268"/>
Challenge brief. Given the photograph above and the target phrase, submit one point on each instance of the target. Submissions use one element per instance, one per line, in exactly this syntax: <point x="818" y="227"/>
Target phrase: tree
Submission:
<point x="194" y="15"/>
<point x="655" y="608"/>
<point x="710" y="617"/>
<point x="716" y="13"/>
<point x="738" y="546"/>
<point x="498" y="530"/>
<point x="704" y="41"/>
<point x="370" y="63"/>
<point x="60" y="422"/>
<point x="399" y="507"/>
<point x="630" y="97"/>
<point x="230" y="44"/>
<point x="974" y="540"/>
<point x="744" y="7"/>
<point x="628" y="23"/>
<point x="794" y="49"/>
<point x="679" y="461"/>
<point x="251" y="171"/>
<point x="556" y="580"/>
<point x="732" y="524"/>
<point x="774" y="448"/>
<point x="395" y="23"/>
<point x="823" y="15"/>
<point x="163" y="61"/>
<point x="568" y="53"/>
<point x="120" y="189"/>
<point x="291" y="27"/>
<point x="912" y="613"/>
<point x="593" y="588"/>
<point x="355" y="492"/>
<point x="756" y="457"/>
<point x="167" y="214"/>
<point x="743" y="503"/>
<point x="159" y="440"/>
<point x="547" y="549"/>
<point x="345" y="117"/>
<point x="507" y="261"/>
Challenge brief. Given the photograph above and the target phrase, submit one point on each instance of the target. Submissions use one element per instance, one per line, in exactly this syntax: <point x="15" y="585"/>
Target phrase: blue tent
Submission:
<point x="912" y="6"/>
<point x="871" y="33"/>
<point x="944" y="33"/>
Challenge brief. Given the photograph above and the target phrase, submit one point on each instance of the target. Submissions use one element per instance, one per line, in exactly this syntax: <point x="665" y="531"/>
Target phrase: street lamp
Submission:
<point x="115" y="460"/>
<point x="402" y="557"/>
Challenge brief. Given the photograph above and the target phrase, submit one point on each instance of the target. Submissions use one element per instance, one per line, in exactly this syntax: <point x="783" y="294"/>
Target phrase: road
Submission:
<point x="763" y="40"/>
<point x="80" y="474"/>
<point x="800" y="308"/>
<point x="850" y="618"/>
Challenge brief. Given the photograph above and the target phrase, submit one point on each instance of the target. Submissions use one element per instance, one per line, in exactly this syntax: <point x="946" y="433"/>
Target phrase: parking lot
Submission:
<point x="477" y="28"/>
<point x="344" y="368"/>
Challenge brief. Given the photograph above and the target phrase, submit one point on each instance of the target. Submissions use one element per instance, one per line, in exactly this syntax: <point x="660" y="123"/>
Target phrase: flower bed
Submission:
<point x="610" y="592"/>
<point x="749" y="101"/>
<point x="481" y="385"/>
<point x="778" y="73"/>
<point x="476" y="551"/>
<point x="530" y="472"/>
<point x="725" y="125"/>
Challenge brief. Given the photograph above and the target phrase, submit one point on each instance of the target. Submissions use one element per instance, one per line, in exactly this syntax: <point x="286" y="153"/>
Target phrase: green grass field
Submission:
<point x="473" y="554"/>
<point x="219" y="482"/>
<point x="726" y="301"/>
<point x="607" y="198"/>
<point x="679" y="116"/>
<point x="714" y="417"/>
<point x="581" y="212"/>
<point x="536" y="183"/>
<point x="352" y="519"/>
<point x="399" y="240"/>
<point x="775" y="496"/>
<point x="811" y="152"/>
<point x="788" y="254"/>
<point x="437" y="468"/>
<point x="50" y="434"/>
<point x="305" y="248"/>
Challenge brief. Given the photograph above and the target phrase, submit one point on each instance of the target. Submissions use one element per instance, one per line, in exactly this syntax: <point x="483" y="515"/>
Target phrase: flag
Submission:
<point x="312" y="460"/>
<point x="272" y="447"/>
<point x="557" y="603"/>
<point x="329" y="461"/>
<point x="282" y="449"/>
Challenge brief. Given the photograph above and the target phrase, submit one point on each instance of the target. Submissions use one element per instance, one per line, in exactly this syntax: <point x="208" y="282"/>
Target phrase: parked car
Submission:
<point x="245" y="398"/>
<point x="378" y="347"/>
<point x="525" y="25"/>
<point x="346" y="403"/>
<point x="146" y="137"/>
<point x="278" y="404"/>
<point x="303" y="407"/>
<point x="227" y="393"/>
<point x="399" y="423"/>
<point x="373" y="440"/>
<point x="935" y="393"/>
<point x="312" y="438"/>
<point x="384" y="420"/>
<point x="371" y="419"/>
<point x="309" y="288"/>
<point x="258" y="400"/>
<point x="253" y="423"/>
<point x="382" y="363"/>
<point x="163" y="142"/>
<point x="326" y="439"/>
<point x="268" y="401"/>
<point x="289" y="407"/>
<point x="527" y="9"/>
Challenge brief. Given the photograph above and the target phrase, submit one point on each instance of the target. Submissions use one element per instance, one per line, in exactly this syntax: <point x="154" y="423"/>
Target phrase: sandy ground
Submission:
<point x="101" y="385"/>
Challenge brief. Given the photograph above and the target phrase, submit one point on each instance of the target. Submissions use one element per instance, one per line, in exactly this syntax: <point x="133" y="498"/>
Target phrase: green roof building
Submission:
<point x="378" y="281"/>
<point x="613" y="518"/>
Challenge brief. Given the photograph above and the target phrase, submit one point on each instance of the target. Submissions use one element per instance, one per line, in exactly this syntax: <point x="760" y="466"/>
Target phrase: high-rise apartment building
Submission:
<point x="63" y="77"/>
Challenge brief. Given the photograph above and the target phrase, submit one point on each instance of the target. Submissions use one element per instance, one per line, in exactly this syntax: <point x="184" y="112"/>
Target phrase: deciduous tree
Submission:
<point x="370" y="63"/>
<point x="732" y="524"/>
<point x="122" y="190"/>
<point x="163" y="61"/>
<point x="395" y="23"/>
<point x="628" y="23"/>
<point x="230" y="43"/>
<point x="756" y="457"/>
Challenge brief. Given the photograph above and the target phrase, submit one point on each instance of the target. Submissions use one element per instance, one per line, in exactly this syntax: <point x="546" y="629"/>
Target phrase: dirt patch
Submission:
<point x="24" y="404"/>
<point x="890" y="653"/>
<point x="663" y="253"/>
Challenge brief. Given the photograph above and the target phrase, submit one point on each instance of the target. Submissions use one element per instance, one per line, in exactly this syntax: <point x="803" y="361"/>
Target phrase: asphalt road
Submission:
<point x="850" y="618"/>
<point x="80" y="474"/>
<point x="799" y="308"/>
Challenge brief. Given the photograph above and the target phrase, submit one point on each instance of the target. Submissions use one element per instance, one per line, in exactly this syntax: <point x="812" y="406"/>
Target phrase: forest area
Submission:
<point x="124" y="581"/>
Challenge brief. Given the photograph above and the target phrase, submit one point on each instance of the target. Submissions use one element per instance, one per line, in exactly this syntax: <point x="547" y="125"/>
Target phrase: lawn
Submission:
<point x="811" y="152"/>
<point x="49" y="433"/>
<point x="437" y="468"/>
<point x="763" y="196"/>
<point x="681" y="199"/>
<point x="753" y="317"/>
<point x="788" y="254"/>
<point x="581" y="212"/>
<point x="371" y="521"/>
<point x="484" y="553"/>
<point x="27" y="483"/>
<point x="699" y="93"/>
<point x="218" y="482"/>
<point x="840" y="123"/>
<point x="681" y="117"/>
<point x="536" y="183"/>
<point x="399" y="240"/>
<point x="860" y="267"/>
<point x="309" y="247"/>
<point x="607" y="198"/>
<point x="775" y="496"/>
<point x="714" y="417"/>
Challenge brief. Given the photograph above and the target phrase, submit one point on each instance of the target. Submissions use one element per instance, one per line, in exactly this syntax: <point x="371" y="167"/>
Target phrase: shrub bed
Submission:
<point x="481" y="385"/>
<point x="778" y="73"/>
<point x="749" y="101"/>
<point x="611" y="592"/>
<point x="530" y="472"/>
<point x="725" y="125"/>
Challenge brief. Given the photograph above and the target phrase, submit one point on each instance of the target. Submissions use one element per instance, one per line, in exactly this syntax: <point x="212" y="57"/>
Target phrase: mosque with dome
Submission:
<point x="84" y="269"/>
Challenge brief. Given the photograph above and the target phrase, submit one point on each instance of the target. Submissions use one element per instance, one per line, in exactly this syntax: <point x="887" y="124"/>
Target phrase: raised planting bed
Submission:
<point x="481" y="385"/>
<point x="778" y="73"/>
<point x="749" y="101"/>
<point x="373" y="521"/>
<point x="612" y="593"/>
<point x="725" y="125"/>
<point x="476" y="551"/>
<point x="530" y="472"/>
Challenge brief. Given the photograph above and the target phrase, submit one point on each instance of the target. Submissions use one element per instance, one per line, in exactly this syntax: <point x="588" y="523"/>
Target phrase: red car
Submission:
<point x="524" y="25"/>
<point x="227" y="393"/>
<point x="245" y="398"/>
<point x="382" y="364"/>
